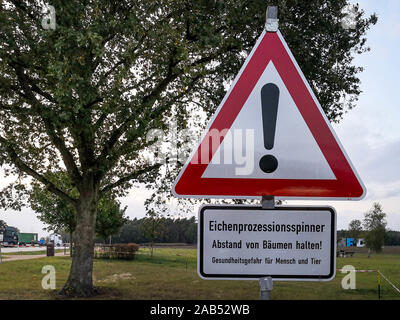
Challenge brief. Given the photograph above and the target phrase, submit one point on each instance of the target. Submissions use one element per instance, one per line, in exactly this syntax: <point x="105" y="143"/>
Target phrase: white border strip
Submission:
<point x="394" y="287"/>
<point x="345" y="270"/>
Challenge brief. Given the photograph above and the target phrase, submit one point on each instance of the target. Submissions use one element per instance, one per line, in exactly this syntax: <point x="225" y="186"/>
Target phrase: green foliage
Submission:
<point x="110" y="217"/>
<point x="60" y="215"/>
<point x="57" y="213"/>
<point x="3" y="226"/>
<point x="375" y="225"/>
<point x="179" y="230"/>
<point x="355" y="229"/>
<point x="152" y="227"/>
<point x="392" y="238"/>
<point x="130" y="232"/>
<point x="341" y="234"/>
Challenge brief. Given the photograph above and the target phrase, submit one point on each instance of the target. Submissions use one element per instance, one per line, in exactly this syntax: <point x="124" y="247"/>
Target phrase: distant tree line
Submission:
<point x="392" y="238"/>
<point x="170" y="230"/>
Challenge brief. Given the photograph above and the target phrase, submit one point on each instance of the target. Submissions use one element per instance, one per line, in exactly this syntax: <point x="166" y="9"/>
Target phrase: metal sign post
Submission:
<point x="295" y="156"/>
<point x="1" y="244"/>
<point x="271" y="23"/>
<point x="266" y="286"/>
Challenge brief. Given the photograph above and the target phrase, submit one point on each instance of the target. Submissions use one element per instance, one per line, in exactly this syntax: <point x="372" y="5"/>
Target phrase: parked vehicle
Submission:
<point x="10" y="236"/>
<point x="56" y="239"/>
<point x="27" y="238"/>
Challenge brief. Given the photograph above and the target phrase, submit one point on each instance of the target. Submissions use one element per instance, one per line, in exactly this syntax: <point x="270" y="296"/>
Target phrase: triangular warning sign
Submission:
<point x="269" y="136"/>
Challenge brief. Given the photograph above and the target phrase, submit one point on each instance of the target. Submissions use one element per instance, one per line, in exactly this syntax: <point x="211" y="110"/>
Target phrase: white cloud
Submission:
<point x="135" y="202"/>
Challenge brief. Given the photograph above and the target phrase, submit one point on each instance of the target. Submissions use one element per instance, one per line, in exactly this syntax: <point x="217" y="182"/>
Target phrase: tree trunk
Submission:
<point x="80" y="281"/>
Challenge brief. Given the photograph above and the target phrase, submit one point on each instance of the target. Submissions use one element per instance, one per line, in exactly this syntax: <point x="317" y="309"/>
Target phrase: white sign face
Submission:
<point x="286" y="243"/>
<point x="1" y="237"/>
<point x="294" y="145"/>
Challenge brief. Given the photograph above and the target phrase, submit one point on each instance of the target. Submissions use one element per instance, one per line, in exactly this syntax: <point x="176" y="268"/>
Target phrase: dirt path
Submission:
<point x="28" y="257"/>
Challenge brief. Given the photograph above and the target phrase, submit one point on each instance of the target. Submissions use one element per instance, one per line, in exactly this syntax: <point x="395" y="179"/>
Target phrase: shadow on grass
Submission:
<point x="100" y="293"/>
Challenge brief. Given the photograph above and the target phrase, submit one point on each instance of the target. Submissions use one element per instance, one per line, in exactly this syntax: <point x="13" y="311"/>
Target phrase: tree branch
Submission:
<point x="118" y="132"/>
<point x="21" y="165"/>
<point x="129" y="177"/>
<point x="68" y="159"/>
<point x="154" y="116"/>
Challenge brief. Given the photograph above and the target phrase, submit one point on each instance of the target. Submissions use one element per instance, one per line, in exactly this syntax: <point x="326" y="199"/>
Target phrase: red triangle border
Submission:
<point x="272" y="47"/>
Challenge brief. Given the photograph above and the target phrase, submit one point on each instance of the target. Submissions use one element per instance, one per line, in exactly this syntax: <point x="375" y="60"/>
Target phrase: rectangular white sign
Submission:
<point x="286" y="243"/>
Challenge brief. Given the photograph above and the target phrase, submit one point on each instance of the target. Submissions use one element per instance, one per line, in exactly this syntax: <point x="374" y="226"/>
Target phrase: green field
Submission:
<point x="171" y="274"/>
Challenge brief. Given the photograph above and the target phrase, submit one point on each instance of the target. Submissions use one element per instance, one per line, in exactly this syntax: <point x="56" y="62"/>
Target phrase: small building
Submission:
<point x="350" y="242"/>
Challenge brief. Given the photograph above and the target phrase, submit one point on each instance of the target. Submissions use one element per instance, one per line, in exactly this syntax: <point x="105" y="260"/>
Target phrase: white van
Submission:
<point x="56" y="239"/>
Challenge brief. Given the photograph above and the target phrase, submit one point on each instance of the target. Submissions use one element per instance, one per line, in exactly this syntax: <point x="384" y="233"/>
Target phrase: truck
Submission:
<point x="10" y="236"/>
<point x="27" y="238"/>
<point x="56" y="239"/>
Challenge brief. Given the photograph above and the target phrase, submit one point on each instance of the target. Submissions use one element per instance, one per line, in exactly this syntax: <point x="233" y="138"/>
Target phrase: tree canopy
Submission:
<point x="375" y="225"/>
<point x="355" y="229"/>
<point x="174" y="230"/>
<point x="110" y="217"/>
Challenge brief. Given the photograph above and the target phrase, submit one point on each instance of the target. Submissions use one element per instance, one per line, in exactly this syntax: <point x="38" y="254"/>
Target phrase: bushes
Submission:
<point x="116" y="251"/>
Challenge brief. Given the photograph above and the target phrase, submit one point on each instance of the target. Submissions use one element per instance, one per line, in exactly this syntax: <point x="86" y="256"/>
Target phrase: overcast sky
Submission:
<point x="370" y="133"/>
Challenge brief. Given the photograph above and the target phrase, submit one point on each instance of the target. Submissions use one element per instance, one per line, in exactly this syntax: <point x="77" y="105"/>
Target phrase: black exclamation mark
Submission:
<point x="269" y="105"/>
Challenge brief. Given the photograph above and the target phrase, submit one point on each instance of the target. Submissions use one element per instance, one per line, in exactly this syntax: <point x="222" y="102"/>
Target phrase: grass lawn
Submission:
<point x="171" y="274"/>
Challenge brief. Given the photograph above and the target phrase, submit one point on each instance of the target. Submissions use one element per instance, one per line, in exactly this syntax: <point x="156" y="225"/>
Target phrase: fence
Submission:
<point x="116" y="251"/>
<point x="378" y="277"/>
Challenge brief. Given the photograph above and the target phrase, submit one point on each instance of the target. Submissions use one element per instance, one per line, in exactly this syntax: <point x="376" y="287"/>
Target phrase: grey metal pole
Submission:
<point x="268" y="202"/>
<point x="1" y="244"/>
<point x="266" y="286"/>
<point x="272" y="21"/>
